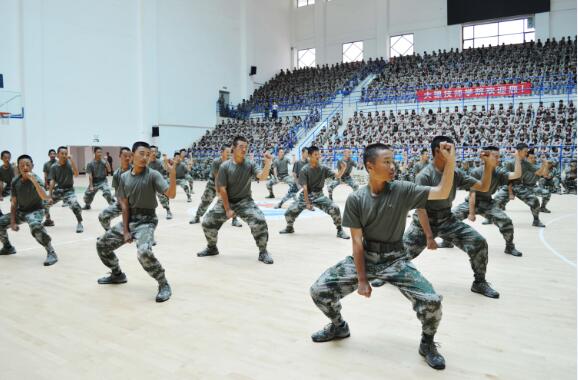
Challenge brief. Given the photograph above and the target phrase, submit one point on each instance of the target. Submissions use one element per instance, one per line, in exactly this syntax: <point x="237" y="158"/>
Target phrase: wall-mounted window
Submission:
<point x="352" y="51"/>
<point x="306" y="58"/>
<point x="401" y="45"/>
<point x="304" y="3"/>
<point x="496" y="33"/>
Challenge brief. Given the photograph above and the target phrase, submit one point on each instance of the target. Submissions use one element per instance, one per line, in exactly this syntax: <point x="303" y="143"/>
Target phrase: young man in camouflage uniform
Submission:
<point x="551" y="180"/>
<point x="155" y="164"/>
<point x="26" y="206"/>
<point x="422" y="163"/>
<point x="569" y="178"/>
<point x="182" y="171"/>
<point x="136" y="194"/>
<point x="46" y="170"/>
<point x="312" y="178"/>
<point x="376" y="215"/>
<point x="436" y="218"/>
<point x="486" y="206"/>
<point x="114" y="210"/>
<point x="346" y="165"/>
<point x="61" y="177"/>
<point x="7" y="173"/>
<point x="234" y="188"/>
<point x="523" y="188"/>
<point x="280" y="174"/>
<point x="210" y="190"/>
<point x="295" y="187"/>
<point x="97" y="171"/>
<point x="189" y="163"/>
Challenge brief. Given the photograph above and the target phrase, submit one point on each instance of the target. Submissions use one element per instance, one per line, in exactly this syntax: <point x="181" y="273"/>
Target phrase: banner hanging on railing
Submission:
<point x="524" y="88"/>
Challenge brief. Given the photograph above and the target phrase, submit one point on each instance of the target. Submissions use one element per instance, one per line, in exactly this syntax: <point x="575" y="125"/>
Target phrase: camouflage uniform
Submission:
<point x="114" y="209"/>
<point x="236" y="178"/>
<point x="64" y="189"/>
<point x="445" y="225"/>
<point x="98" y="171"/>
<point x="139" y="190"/>
<point x="282" y="166"/>
<point x="382" y="220"/>
<point x="163" y="199"/>
<point x="30" y="210"/>
<point x="6" y="176"/>
<point x="345" y="178"/>
<point x="210" y="190"/>
<point x="182" y="172"/>
<point x="314" y="178"/>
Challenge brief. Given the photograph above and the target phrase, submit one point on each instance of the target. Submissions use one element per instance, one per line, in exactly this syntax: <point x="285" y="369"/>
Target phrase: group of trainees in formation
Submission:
<point x="382" y="250"/>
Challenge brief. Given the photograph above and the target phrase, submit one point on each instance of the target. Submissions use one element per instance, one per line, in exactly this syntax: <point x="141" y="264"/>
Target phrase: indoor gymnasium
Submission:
<point x="288" y="189"/>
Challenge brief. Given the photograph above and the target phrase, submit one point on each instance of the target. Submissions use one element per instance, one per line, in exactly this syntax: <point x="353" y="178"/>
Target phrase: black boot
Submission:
<point x="545" y="210"/>
<point x="270" y="196"/>
<point x="265" y="257"/>
<point x="428" y="349"/>
<point x="331" y="332"/>
<point x="482" y="287"/>
<point x="511" y="250"/>
<point x="209" y="251"/>
<point x="8" y="250"/>
<point x="164" y="292"/>
<point x="51" y="258"/>
<point x="118" y="278"/>
<point x="287" y="230"/>
<point x="538" y="223"/>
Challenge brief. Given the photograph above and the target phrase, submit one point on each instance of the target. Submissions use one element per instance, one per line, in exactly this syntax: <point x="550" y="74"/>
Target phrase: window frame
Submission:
<point x="526" y="31"/>
<point x="314" y="58"/>
<point x="352" y="42"/>
<point x="402" y="35"/>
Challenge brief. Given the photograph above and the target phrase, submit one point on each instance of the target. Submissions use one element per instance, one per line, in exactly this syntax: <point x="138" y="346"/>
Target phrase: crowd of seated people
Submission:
<point x="550" y="65"/>
<point x="327" y="132"/>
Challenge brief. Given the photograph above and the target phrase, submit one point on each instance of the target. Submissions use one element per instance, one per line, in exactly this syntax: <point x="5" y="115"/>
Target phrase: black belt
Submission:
<point x="381" y="247"/>
<point x="64" y="188"/>
<point x="142" y="211"/>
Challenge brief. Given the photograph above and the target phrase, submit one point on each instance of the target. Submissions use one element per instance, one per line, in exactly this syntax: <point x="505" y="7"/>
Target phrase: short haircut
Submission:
<point x="225" y="146"/>
<point x="154" y="146"/>
<point x="491" y="148"/>
<point x="183" y="150"/>
<point x="304" y="149"/>
<point x="424" y="150"/>
<point x="124" y="148"/>
<point x="51" y="150"/>
<point x="138" y="144"/>
<point x="177" y="153"/>
<point x="531" y="151"/>
<point x="94" y="149"/>
<point x="521" y="146"/>
<point x="239" y="138"/>
<point x="312" y="149"/>
<point x="5" y="152"/>
<point x="61" y="148"/>
<point x="24" y="157"/>
<point x="435" y="143"/>
<point x="371" y="152"/>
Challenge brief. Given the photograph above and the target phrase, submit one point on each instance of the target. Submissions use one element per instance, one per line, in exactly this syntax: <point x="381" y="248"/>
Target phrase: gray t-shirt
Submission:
<point x="237" y="179"/>
<point x="349" y="167"/>
<point x="47" y="165"/>
<point x="418" y="167"/>
<point x="215" y="167"/>
<point x="116" y="177"/>
<point x="26" y="196"/>
<point x="63" y="175"/>
<point x="282" y="166"/>
<point x="182" y="170"/>
<point x="528" y="178"/>
<point x="141" y="190"/>
<point x="298" y="166"/>
<point x="500" y="177"/>
<point x="97" y="169"/>
<point x="382" y="217"/>
<point x="314" y="178"/>
<point x="430" y="176"/>
<point x="6" y="174"/>
<point x="158" y="166"/>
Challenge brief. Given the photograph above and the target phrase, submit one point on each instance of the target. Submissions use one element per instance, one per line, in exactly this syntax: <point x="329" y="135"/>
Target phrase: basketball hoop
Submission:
<point x="5" y="117"/>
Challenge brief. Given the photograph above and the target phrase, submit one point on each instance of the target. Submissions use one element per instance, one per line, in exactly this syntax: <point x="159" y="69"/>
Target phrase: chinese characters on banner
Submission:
<point x="524" y="88"/>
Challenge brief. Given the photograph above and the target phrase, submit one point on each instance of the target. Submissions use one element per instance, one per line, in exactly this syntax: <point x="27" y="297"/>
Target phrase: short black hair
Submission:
<point x="183" y="150"/>
<point x="94" y="149"/>
<point x="312" y="149"/>
<point x="154" y="146"/>
<point x="521" y="146"/>
<point x="371" y="151"/>
<point x="177" y="153"/>
<point x="138" y="144"/>
<point x="239" y="138"/>
<point x="123" y="149"/>
<point x="24" y="157"/>
<point x="424" y="150"/>
<point x="435" y="143"/>
<point x="531" y="151"/>
<point x="60" y="148"/>
<point x="225" y="146"/>
<point x="304" y="149"/>
<point x="51" y="150"/>
<point x="5" y="152"/>
<point x="492" y="148"/>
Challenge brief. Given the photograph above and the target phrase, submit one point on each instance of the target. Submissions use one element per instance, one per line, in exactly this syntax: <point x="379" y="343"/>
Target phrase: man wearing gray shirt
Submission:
<point x="154" y="163"/>
<point x="436" y="218"/>
<point x="312" y="178"/>
<point x="136" y="194"/>
<point x="97" y="171"/>
<point x="48" y="222"/>
<point x="280" y="174"/>
<point x="114" y="210"/>
<point x="294" y="187"/>
<point x="182" y="171"/>
<point x="234" y="188"/>
<point x="376" y="215"/>
<point x="345" y="165"/>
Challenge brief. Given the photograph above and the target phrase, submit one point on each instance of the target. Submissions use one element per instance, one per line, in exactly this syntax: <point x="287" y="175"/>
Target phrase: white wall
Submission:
<point x="325" y="26"/>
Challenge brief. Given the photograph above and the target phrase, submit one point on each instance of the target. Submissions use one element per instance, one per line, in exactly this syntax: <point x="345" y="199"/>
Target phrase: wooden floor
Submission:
<point x="232" y="317"/>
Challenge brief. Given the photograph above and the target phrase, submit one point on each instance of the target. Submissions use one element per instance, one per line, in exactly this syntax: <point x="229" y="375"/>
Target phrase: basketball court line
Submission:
<point x="550" y="248"/>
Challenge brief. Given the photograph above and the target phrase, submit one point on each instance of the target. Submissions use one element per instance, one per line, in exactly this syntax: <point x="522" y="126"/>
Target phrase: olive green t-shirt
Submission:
<point x="237" y="179"/>
<point x="282" y="166"/>
<point x="97" y="169"/>
<point x="500" y="177"/>
<point x="298" y="166"/>
<point x="26" y="196"/>
<point x="181" y="170"/>
<point x="158" y="166"/>
<point x="141" y="190"/>
<point x="215" y="167"/>
<point x="314" y="178"/>
<point x="47" y="165"/>
<point x="63" y="175"/>
<point x="430" y="176"/>
<point x="348" y="168"/>
<point x="6" y="174"/>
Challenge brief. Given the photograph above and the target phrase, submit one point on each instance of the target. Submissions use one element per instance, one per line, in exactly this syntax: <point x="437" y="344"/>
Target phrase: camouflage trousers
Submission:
<point x="68" y="197"/>
<point x="102" y="186"/>
<point x="524" y="193"/>
<point x="490" y="211"/>
<point x="551" y="185"/>
<point x="348" y="181"/>
<point x="569" y="184"/>
<point x="184" y="184"/>
<point x="164" y="201"/>
<point x="316" y="199"/>
<point x="34" y="221"/>
<point x="142" y="228"/>
<point x="248" y="211"/>
<point x="208" y="195"/>
<point x="289" y="180"/>
<point x="449" y="228"/>
<point x="108" y="214"/>
<point x="341" y="279"/>
<point x="189" y="179"/>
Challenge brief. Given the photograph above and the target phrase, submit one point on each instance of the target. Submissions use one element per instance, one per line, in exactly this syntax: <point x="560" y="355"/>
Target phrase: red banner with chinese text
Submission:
<point x="524" y="88"/>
